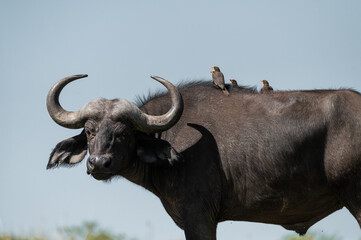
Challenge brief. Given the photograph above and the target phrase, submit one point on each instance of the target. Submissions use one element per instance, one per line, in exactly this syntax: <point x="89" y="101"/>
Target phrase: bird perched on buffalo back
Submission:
<point x="266" y="87"/>
<point x="234" y="83"/>
<point x="218" y="80"/>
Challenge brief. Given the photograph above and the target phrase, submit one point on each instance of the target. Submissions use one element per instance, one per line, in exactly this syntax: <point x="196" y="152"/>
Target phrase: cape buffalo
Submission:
<point x="288" y="158"/>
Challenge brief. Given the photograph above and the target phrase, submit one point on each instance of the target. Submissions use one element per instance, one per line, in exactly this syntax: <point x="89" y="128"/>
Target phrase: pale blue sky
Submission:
<point x="293" y="44"/>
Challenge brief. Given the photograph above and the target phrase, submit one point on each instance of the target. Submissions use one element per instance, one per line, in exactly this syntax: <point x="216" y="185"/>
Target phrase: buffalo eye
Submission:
<point x="122" y="136"/>
<point x="89" y="132"/>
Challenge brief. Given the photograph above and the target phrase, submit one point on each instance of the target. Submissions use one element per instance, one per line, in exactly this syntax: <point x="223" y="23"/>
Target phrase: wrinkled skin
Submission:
<point x="106" y="141"/>
<point x="286" y="158"/>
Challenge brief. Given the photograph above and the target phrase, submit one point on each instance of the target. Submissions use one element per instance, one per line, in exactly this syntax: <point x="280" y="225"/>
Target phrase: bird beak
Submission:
<point x="262" y="81"/>
<point x="211" y="71"/>
<point x="213" y="67"/>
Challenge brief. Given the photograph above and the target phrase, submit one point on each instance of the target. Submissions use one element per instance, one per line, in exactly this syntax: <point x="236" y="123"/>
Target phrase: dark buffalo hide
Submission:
<point x="288" y="158"/>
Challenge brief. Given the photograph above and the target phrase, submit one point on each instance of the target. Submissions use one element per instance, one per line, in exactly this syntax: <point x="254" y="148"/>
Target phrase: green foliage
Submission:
<point x="89" y="231"/>
<point x="86" y="231"/>
<point x="312" y="236"/>
<point x="11" y="237"/>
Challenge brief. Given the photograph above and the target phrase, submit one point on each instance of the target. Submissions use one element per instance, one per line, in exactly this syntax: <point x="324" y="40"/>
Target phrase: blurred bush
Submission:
<point x="312" y="236"/>
<point x="91" y="231"/>
<point x="86" y="231"/>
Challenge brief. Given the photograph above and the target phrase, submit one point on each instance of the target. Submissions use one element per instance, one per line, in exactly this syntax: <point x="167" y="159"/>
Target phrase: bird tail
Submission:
<point x="225" y="92"/>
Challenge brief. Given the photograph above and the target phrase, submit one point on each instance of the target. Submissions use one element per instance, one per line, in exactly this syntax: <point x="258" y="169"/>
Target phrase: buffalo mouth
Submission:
<point x="100" y="175"/>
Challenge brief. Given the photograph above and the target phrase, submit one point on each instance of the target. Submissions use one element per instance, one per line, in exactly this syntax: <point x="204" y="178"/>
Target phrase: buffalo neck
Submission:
<point x="156" y="178"/>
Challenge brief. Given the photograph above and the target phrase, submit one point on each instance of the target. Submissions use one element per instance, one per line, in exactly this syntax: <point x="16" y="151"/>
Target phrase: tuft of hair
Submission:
<point x="64" y="163"/>
<point x="143" y="99"/>
<point x="183" y="85"/>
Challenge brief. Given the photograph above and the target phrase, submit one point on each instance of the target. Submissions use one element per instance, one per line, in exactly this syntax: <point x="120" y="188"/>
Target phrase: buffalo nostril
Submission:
<point x="98" y="164"/>
<point x="91" y="163"/>
<point x="107" y="162"/>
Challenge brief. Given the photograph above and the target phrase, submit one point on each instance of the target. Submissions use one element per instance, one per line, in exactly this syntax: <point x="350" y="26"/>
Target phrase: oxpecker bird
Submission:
<point x="218" y="80"/>
<point x="266" y="87"/>
<point x="234" y="83"/>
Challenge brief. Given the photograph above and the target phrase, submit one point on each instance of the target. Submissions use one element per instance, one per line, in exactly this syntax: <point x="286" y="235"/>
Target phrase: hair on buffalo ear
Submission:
<point x="69" y="152"/>
<point x="154" y="150"/>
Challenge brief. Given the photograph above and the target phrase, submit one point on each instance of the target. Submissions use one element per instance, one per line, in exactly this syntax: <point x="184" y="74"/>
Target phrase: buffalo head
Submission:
<point x="116" y="132"/>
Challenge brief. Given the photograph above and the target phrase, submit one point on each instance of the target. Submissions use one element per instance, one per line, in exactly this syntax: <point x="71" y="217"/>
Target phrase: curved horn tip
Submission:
<point x="156" y="77"/>
<point x="81" y="75"/>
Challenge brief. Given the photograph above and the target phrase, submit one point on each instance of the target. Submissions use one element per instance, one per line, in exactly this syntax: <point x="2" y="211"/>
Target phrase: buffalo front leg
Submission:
<point x="351" y="199"/>
<point x="196" y="228"/>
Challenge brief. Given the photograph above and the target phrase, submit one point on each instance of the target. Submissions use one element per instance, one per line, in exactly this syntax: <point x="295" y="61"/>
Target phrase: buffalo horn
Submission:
<point x="149" y="123"/>
<point x="62" y="117"/>
<point x="123" y="109"/>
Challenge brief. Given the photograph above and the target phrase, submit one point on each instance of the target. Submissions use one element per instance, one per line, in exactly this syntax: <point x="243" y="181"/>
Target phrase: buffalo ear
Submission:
<point x="69" y="151"/>
<point x="154" y="150"/>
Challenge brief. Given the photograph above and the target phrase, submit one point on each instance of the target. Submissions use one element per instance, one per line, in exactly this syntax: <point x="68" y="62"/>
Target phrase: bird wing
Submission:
<point x="218" y="79"/>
